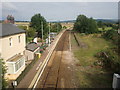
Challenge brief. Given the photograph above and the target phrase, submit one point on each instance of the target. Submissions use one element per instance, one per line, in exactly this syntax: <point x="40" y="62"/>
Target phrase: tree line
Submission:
<point x="39" y="23"/>
<point x="85" y="25"/>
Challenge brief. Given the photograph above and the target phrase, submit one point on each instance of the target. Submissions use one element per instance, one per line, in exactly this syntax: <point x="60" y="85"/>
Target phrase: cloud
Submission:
<point x="60" y="0"/>
<point x="60" y="11"/>
<point x="0" y="10"/>
<point x="8" y="9"/>
<point x="8" y="6"/>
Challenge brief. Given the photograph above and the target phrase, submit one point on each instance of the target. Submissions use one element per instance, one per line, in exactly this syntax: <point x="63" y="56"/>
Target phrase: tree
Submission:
<point x="85" y="25"/>
<point x="81" y="24"/>
<point x="56" y="27"/>
<point x="31" y="32"/>
<point x="3" y="67"/>
<point x="93" y="28"/>
<point x="100" y="24"/>
<point x="64" y="27"/>
<point x="37" y="22"/>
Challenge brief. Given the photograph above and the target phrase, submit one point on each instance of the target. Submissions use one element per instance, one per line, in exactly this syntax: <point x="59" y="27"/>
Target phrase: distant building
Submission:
<point x="12" y="49"/>
<point x="10" y="19"/>
<point x="52" y="36"/>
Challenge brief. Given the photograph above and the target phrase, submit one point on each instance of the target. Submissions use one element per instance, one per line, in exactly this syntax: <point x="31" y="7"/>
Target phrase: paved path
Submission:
<point x="26" y="81"/>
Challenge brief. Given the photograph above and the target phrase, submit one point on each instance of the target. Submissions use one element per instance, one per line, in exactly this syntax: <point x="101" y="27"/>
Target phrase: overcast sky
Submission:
<point x="60" y="10"/>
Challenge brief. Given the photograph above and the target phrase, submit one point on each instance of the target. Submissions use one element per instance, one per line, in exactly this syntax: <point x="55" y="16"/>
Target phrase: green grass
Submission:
<point x="89" y="75"/>
<point x="106" y="28"/>
<point x="94" y="45"/>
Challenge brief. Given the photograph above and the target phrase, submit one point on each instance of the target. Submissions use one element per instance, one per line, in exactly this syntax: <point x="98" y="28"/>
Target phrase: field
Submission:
<point x="106" y="28"/>
<point x="89" y="74"/>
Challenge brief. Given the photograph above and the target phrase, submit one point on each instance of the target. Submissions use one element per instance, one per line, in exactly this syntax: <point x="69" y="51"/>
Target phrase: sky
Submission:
<point x="59" y="11"/>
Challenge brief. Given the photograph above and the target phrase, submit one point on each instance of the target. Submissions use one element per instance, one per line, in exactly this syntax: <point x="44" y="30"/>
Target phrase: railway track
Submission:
<point x="54" y="74"/>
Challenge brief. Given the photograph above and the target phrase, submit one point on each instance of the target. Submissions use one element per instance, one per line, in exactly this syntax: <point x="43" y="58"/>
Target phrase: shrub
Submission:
<point x="109" y="59"/>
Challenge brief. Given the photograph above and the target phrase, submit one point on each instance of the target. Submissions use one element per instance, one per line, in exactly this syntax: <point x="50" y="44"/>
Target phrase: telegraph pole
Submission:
<point x="42" y="29"/>
<point x="57" y="27"/>
<point x="49" y="34"/>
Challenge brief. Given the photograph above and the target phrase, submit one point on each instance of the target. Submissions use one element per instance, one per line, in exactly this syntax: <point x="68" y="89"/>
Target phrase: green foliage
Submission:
<point x="37" y="22"/>
<point x="29" y="39"/>
<point x="4" y="81"/>
<point x="112" y="35"/>
<point x="92" y="26"/>
<point x="64" y="27"/>
<point x="100" y="24"/>
<point x="23" y="27"/>
<point x="108" y="24"/>
<point x="85" y="25"/>
<point x="110" y="59"/>
<point x="56" y="27"/>
<point x="104" y="25"/>
<point x="115" y="26"/>
<point x="89" y="70"/>
<point x="105" y="29"/>
<point x="31" y="32"/>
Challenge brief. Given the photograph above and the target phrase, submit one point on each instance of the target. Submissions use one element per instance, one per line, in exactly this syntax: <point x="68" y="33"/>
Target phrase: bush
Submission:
<point x="110" y="59"/>
<point x="112" y="35"/>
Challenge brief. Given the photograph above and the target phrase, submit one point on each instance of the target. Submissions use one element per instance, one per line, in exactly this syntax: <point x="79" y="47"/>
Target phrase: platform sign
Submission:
<point x="14" y="83"/>
<point x="116" y="81"/>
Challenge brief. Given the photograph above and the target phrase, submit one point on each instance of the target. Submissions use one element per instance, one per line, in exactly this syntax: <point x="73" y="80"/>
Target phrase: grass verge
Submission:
<point x="90" y="75"/>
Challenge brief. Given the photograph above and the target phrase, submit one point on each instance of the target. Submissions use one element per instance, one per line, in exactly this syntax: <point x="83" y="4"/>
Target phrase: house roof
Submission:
<point x="32" y="47"/>
<point x="15" y="58"/>
<point x="10" y="29"/>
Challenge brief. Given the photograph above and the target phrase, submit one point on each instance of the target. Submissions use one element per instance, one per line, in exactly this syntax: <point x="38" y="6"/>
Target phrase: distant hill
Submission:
<point x="103" y="20"/>
<point x="108" y="20"/>
<point x="22" y="21"/>
<point x="72" y="21"/>
<point x="66" y="21"/>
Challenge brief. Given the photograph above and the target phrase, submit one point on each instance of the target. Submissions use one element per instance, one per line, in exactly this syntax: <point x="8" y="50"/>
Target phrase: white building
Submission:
<point x="31" y="50"/>
<point x="12" y="48"/>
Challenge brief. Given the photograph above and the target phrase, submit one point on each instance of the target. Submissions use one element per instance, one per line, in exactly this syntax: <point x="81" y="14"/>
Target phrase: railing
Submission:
<point x="76" y="39"/>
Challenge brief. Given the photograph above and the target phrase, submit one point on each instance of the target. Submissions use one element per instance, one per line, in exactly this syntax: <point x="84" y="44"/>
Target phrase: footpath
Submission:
<point x="27" y="81"/>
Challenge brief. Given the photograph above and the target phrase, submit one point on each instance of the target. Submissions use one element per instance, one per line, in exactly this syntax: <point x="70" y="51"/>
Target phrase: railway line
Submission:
<point x="57" y="70"/>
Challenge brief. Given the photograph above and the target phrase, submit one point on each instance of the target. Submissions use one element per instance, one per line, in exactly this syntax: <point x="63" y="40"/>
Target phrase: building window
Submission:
<point x="10" y="41"/>
<point x="19" y="39"/>
<point x="19" y="64"/>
